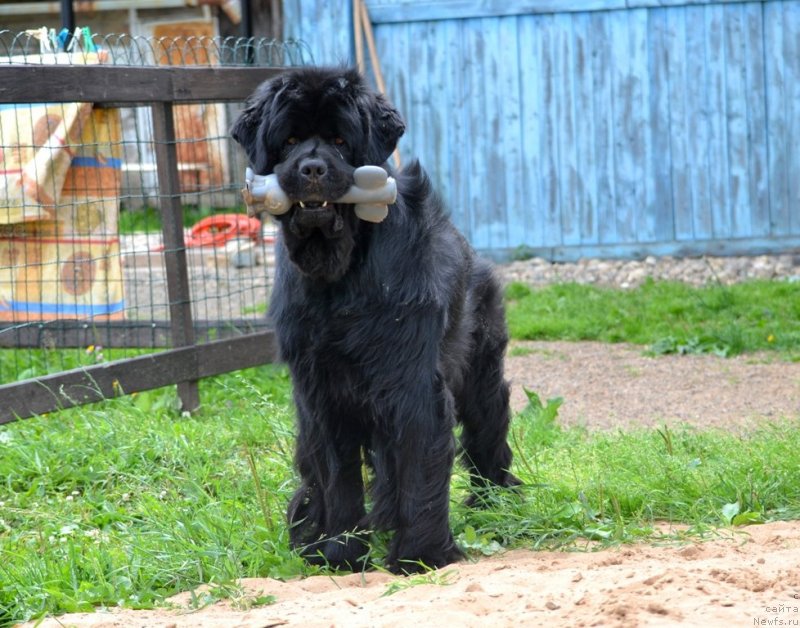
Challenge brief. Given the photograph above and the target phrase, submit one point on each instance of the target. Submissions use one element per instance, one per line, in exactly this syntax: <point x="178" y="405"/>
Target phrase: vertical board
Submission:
<point x="549" y="146"/>
<point x="626" y="118"/>
<point x="325" y="26"/>
<point x="659" y="212"/>
<point x="675" y="43"/>
<point x="604" y="128"/>
<point x="717" y="104"/>
<point x="531" y="116"/>
<point x="737" y="112"/>
<point x="781" y="32"/>
<point x="663" y="127"/>
<point x="483" y="189"/>
<point x="583" y="71"/>
<point x="564" y="100"/>
<point x="757" y="141"/>
<point x="508" y="156"/>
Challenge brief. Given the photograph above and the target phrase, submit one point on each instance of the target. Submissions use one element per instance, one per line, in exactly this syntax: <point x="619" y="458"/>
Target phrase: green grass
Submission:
<point x="129" y="502"/>
<point x="148" y="219"/>
<point x="668" y="317"/>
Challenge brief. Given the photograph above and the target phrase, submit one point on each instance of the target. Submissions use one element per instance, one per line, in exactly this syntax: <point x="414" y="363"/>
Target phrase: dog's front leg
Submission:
<point x="412" y="484"/>
<point x="327" y="509"/>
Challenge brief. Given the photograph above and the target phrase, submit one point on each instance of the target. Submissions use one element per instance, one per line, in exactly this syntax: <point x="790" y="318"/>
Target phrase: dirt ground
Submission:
<point x="742" y="577"/>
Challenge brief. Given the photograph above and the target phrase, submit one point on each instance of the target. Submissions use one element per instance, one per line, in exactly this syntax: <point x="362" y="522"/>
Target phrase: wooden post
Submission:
<point x="180" y="302"/>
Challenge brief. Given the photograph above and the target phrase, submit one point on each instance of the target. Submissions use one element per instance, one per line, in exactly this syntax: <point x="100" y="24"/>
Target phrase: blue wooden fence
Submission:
<point x="582" y="128"/>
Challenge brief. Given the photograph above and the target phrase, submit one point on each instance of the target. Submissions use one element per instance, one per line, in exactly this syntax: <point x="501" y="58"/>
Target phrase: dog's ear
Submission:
<point x="251" y="129"/>
<point x="386" y="128"/>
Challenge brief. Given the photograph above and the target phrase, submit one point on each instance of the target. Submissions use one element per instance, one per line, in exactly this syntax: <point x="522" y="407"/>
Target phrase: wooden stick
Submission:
<point x="376" y="64"/>
<point x="358" y="36"/>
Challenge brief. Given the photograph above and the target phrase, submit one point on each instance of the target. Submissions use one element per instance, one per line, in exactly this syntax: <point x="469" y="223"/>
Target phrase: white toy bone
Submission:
<point x="372" y="192"/>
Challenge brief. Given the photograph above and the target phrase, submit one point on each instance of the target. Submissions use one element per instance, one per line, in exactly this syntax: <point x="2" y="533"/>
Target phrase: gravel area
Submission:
<point x="631" y="273"/>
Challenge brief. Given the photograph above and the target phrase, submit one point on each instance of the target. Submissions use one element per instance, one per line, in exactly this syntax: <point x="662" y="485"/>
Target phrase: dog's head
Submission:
<point x="312" y="127"/>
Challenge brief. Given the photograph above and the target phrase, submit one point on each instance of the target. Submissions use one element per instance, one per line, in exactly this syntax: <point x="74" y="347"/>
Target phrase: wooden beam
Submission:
<point x="178" y="290"/>
<point x="126" y="85"/>
<point x="80" y="386"/>
<point x="404" y="11"/>
<point x="131" y="334"/>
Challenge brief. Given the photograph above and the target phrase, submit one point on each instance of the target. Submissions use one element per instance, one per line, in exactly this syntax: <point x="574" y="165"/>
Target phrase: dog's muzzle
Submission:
<point x="316" y="215"/>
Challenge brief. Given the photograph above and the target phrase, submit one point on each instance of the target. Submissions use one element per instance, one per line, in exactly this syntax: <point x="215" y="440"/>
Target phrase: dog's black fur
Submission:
<point x="392" y="331"/>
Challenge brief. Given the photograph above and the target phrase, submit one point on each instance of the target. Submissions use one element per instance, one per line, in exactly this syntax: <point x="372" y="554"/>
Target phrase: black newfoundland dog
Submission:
<point x="393" y="331"/>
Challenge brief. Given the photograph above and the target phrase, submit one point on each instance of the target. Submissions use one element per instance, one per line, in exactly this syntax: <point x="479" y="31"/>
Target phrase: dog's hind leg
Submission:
<point x="482" y="405"/>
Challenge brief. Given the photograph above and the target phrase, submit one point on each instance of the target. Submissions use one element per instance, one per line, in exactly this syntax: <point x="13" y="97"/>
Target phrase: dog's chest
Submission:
<point x="332" y="330"/>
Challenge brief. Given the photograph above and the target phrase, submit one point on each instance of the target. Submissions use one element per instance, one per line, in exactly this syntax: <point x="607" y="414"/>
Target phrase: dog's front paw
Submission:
<point x="407" y="557"/>
<point x="345" y="552"/>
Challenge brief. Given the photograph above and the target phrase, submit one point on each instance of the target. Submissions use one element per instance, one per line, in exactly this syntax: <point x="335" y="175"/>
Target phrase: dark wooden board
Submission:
<point x="124" y="85"/>
<point x="80" y="386"/>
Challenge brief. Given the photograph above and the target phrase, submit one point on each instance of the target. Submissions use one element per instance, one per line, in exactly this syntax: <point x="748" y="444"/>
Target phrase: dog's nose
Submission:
<point x="313" y="169"/>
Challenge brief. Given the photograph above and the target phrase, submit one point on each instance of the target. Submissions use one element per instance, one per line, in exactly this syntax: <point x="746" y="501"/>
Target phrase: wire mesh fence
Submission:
<point x="45" y="46"/>
<point x="83" y="261"/>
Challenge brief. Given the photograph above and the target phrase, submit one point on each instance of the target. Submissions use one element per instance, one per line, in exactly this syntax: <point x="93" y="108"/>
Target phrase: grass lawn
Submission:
<point x="128" y="502"/>
<point x="668" y="317"/>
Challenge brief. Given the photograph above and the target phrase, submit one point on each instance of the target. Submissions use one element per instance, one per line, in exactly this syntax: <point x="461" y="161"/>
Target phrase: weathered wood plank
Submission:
<point x="567" y="139"/>
<point x="456" y="123"/>
<point x="755" y="93"/>
<point x="482" y="188"/>
<point x="739" y="202"/>
<point x="639" y="146"/>
<point x="502" y="107"/>
<point x="791" y="56"/>
<point x="105" y="381"/>
<point x="658" y="213"/>
<point x="698" y="115"/>
<point x="128" y="85"/>
<point x="582" y="69"/>
<point x="531" y="116"/>
<point x="681" y="192"/>
<point x="602" y="57"/>
<point x="119" y="334"/>
<point x="423" y="102"/>
<point x="180" y="300"/>
<point x="385" y="11"/>
<point x="464" y="129"/>
<point x="510" y="95"/>
<point x="627" y="117"/>
<point x="549" y="190"/>
<point x="778" y="125"/>
<point x="640" y="250"/>
<point x="717" y="104"/>
<point x="442" y="59"/>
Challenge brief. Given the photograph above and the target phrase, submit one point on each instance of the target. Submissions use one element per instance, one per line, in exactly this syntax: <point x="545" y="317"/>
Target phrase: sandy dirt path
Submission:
<point x="738" y="579"/>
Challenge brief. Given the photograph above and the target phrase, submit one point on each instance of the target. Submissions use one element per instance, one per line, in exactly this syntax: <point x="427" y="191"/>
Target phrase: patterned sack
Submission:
<point x="60" y="174"/>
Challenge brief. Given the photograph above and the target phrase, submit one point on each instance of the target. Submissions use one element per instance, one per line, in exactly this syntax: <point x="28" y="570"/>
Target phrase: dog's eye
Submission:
<point x="291" y="141"/>
<point x="339" y="141"/>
